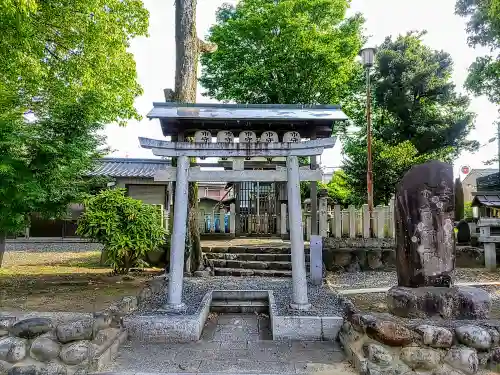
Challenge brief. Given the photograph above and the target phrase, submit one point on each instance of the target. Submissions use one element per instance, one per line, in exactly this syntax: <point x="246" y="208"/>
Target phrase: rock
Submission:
<point x="463" y="359"/>
<point x="495" y="336"/>
<point x="425" y="242"/>
<point x="4" y="367"/>
<point x="420" y="358"/>
<point x="342" y="258"/>
<point x="44" y="349"/>
<point x="435" y="337"/>
<point x="495" y="355"/>
<point x="349" y="332"/>
<point x="483" y="358"/>
<point x="446" y="370"/>
<point x="377" y="354"/>
<point x="448" y="303"/>
<point x="201" y="273"/>
<point x="353" y="267"/>
<point x="102" y="320"/>
<point x="3" y="333"/>
<point x="12" y="349"/>
<point x="396" y="369"/>
<point x="31" y="328"/>
<point x="75" y="353"/>
<point x="360" y="321"/>
<point x="105" y="335"/>
<point x="374" y="259"/>
<point x="474" y="336"/>
<point x="53" y="368"/>
<point x="463" y="232"/>
<point x="24" y="370"/>
<point x="76" y="330"/>
<point x="389" y="333"/>
<point x="6" y="322"/>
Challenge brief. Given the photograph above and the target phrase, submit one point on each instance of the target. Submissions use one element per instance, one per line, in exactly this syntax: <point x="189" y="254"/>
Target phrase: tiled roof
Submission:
<point x="125" y="167"/>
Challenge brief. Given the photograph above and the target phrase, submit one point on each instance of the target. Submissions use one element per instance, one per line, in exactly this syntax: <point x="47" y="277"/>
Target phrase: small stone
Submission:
<point x="201" y="273"/>
<point x="377" y="354"/>
<point x="374" y="259"/>
<point x="474" y="336"/>
<point x="75" y="353"/>
<point x="7" y="322"/>
<point x="44" y="349"/>
<point x="446" y="370"/>
<point x="435" y="337"/>
<point x="342" y="258"/>
<point x="76" y="330"/>
<point x="12" y="349"/>
<point x="464" y="359"/>
<point x="495" y="336"/>
<point x="24" y="370"/>
<point x="495" y="355"/>
<point x="420" y="358"/>
<point x="53" y="368"/>
<point x="31" y="328"/>
<point x="389" y="333"/>
<point x="4" y="367"/>
<point x="105" y="335"/>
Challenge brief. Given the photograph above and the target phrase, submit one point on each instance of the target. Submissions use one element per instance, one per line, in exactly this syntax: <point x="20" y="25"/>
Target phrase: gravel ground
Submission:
<point x="55" y="246"/>
<point x="324" y="301"/>
<point x="379" y="279"/>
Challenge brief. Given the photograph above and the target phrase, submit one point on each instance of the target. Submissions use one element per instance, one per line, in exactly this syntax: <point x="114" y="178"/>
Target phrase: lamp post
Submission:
<point x="368" y="57"/>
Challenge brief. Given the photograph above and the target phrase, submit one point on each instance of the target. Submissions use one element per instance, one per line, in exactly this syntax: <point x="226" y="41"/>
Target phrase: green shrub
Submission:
<point x="126" y="227"/>
<point x="468" y="214"/>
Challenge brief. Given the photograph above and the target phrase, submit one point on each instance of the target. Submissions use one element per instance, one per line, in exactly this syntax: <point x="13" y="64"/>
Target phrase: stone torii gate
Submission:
<point x="248" y="147"/>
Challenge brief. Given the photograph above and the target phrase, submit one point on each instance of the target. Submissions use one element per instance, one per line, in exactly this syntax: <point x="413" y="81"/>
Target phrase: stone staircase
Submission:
<point x="252" y="260"/>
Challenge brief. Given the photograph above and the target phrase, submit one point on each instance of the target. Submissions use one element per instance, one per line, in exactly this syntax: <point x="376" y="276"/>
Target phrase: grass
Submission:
<point x="62" y="281"/>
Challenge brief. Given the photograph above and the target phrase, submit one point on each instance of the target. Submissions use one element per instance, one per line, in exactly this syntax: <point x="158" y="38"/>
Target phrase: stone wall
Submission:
<point x="41" y="345"/>
<point x="379" y="345"/>
<point x="359" y="254"/>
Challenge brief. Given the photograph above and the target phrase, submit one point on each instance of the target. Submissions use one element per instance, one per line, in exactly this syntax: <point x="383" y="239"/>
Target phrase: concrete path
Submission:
<point x="233" y="344"/>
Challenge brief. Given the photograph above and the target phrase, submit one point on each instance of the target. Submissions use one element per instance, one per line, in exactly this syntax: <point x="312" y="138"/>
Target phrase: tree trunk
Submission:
<point x="187" y="51"/>
<point x="3" y="237"/>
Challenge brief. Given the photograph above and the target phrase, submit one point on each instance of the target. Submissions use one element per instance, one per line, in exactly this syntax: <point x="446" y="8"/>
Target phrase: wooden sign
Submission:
<point x="269" y="137"/>
<point x="248" y="136"/>
<point x="225" y="136"/>
<point x="202" y="136"/>
<point x="291" y="137"/>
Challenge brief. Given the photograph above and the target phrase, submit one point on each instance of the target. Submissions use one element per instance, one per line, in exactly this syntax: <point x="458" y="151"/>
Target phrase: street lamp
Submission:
<point x="368" y="58"/>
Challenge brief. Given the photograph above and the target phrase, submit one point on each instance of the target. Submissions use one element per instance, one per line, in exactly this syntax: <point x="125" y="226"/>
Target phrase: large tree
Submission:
<point x="188" y="50"/>
<point x="65" y="73"/>
<point x="417" y="115"/>
<point x="287" y="52"/>
<point x="483" y="27"/>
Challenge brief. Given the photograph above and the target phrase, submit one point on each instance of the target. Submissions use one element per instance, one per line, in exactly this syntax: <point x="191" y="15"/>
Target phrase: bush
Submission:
<point x="126" y="227"/>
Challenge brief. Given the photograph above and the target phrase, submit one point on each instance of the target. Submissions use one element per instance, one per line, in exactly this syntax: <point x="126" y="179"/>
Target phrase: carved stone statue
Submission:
<point x="425" y="246"/>
<point x="425" y="250"/>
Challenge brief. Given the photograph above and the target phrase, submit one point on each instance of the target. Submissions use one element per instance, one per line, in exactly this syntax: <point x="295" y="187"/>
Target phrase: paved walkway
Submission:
<point x="233" y="344"/>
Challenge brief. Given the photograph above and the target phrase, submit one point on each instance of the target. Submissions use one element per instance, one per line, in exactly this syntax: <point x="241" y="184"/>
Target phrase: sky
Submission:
<point x="155" y="58"/>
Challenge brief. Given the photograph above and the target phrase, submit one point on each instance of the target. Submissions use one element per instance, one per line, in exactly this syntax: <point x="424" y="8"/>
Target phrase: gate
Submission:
<point x="259" y="207"/>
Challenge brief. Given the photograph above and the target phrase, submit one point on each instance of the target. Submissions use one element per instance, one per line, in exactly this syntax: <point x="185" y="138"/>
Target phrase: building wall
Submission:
<point x="469" y="183"/>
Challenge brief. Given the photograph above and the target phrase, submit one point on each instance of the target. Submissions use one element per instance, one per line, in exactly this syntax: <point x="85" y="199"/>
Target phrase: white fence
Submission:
<point x="351" y="222"/>
<point x="333" y="221"/>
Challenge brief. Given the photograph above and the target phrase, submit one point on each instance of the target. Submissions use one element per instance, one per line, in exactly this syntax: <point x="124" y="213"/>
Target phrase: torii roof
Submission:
<point x="308" y="120"/>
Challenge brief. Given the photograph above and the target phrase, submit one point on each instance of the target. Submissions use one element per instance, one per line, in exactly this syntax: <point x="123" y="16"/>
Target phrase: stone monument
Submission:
<point x="425" y="249"/>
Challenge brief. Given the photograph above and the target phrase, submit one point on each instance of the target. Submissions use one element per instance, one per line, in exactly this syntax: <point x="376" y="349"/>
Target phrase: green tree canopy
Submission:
<point x="65" y="72"/>
<point x="283" y="52"/>
<point x="483" y="27"/>
<point x="417" y="116"/>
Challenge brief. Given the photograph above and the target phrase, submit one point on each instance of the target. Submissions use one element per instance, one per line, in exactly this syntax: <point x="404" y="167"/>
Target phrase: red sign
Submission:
<point x="465" y="169"/>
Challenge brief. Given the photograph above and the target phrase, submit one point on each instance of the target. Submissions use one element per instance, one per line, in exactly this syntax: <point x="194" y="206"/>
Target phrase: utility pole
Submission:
<point x="368" y="57"/>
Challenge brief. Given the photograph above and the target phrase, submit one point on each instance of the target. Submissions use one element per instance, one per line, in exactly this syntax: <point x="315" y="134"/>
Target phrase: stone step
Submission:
<point x="239" y="306"/>
<point x="253" y="256"/>
<point x="250" y="250"/>
<point x="251" y="272"/>
<point x="253" y="265"/>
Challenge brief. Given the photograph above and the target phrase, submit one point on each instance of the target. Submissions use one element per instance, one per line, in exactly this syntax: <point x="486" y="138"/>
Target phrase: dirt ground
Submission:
<point x="63" y="281"/>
